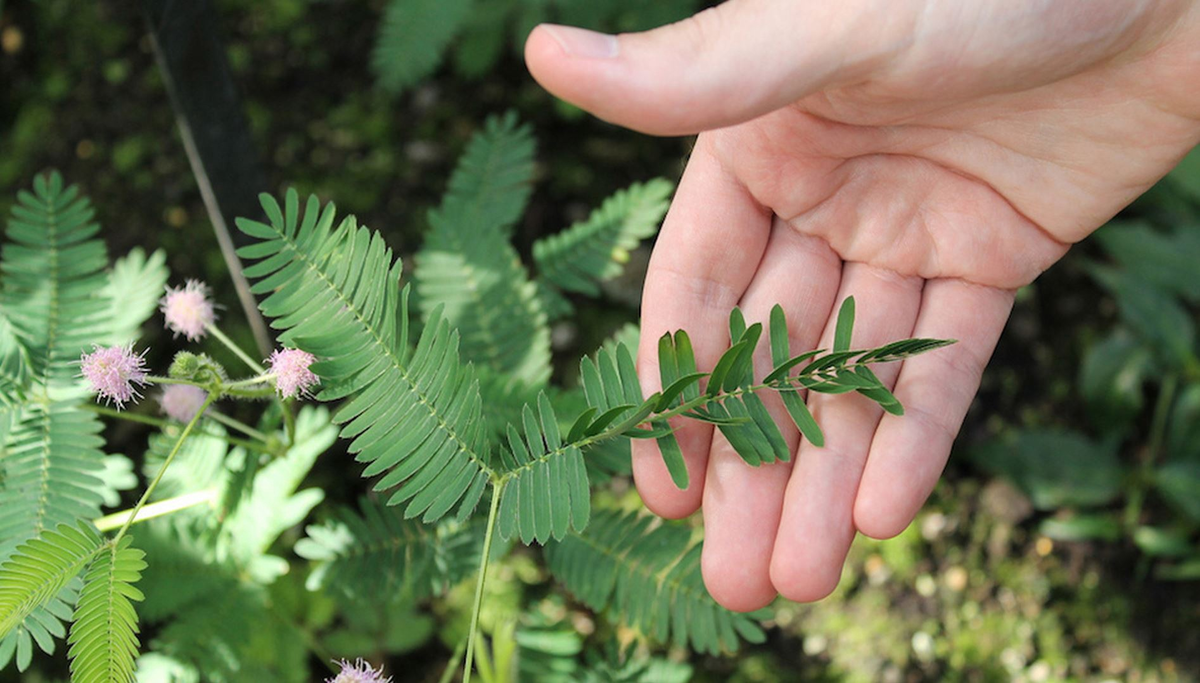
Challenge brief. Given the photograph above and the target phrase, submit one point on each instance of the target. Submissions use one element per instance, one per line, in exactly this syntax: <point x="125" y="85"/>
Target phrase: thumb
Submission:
<point x="725" y="65"/>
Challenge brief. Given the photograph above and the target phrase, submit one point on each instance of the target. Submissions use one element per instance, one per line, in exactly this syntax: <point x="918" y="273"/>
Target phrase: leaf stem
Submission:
<point x="497" y="489"/>
<point x="162" y="507"/>
<point x="261" y="378"/>
<point x="1144" y="477"/>
<point x="786" y="383"/>
<point x="156" y="379"/>
<point x="237" y="350"/>
<point x="448" y="674"/>
<point x="239" y="426"/>
<point x="166" y="463"/>
<point x="160" y="423"/>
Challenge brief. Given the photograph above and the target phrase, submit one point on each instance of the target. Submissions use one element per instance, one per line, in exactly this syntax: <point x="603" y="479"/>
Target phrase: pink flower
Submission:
<point x="358" y="672"/>
<point x="182" y="401"/>
<point x="113" y="370"/>
<point x="290" y="368"/>
<point x="188" y="310"/>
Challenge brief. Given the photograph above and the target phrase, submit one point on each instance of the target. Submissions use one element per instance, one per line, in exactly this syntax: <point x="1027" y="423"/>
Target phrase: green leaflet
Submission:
<point x="51" y="471"/>
<point x="546" y="491"/>
<point x="41" y="568"/>
<point x="585" y="254"/>
<point x="731" y="401"/>
<point x="103" y="639"/>
<point x="58" y="300"/>
<point x="413" y="35"/>
<point x="647" y="575"/>
<point x="364" y="555"/>
<point x="468" y="268"/>
<point x="414" y="415"/>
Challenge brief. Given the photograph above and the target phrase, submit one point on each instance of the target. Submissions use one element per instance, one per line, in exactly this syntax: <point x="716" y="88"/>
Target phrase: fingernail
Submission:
<point x="579" y="42"/>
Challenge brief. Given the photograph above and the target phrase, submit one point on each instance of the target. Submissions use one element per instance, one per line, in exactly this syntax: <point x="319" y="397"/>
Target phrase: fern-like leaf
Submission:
<point x="361" y="556"/>
<point x="58" y="300"/>
<point x="468" y="267"/>
<point x="412" y="39"/>
<point x="41" y="568"/>
<point x="103" y="639"/>
<point x="585" y="254"/>
<point x="43" y="625"/>
<point x="51" y="471"/>
<point x="413" y="414"/>
<point x="134" y="287"/>
<point x="546" y="491"/>
<point x="646" y="575"/>
<point x="52" y="270"/>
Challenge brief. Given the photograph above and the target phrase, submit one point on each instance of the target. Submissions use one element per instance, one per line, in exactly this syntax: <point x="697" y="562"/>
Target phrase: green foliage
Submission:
<point x="134" y="286"/>
<point x="1151" y="352"/>
<point x="413" y="414"/>
<point x="41" y="568"/>
<point x="191" y="593"/>
<point x="360" y="556"/>
<point x="58" y="300"/>
<point x="586" y="253"/>
<point x="467" y="266"/>
<point x="647" y="576"/>
<point x="103" y="638"/>
<point x="204" y="567"/>
<point x="412" y="37"/>
<point x="51" y="471"/>
<point x="547" y="489"/>
<point x="1158" y="318"/>
<point x="435" y="428"/>
<point x="52" y="269"/>
<point x="415" y="34"/>
<point x="1056" y="468"/>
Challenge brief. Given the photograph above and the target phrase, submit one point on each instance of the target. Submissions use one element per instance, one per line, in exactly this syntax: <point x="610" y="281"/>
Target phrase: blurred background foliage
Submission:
<point x="1063" y="542"/>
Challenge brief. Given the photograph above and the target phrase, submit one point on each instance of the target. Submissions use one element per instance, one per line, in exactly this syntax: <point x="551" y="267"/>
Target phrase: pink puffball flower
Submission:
<point x="188" y="310"/>
<point x="358" y="672"/>
<point x="112" y="371"/>
<point x="181" y="402"/>
<point x="290" y="369"/>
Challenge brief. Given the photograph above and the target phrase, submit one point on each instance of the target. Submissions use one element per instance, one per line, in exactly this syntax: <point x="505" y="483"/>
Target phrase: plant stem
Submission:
<point x="238" y="425"/>
<point x="160" y="423"/>
<point x="166" y="463"/>
<point x="1144" y="476"/>
<point x="288" y="419"/>
<point x="261" y="378"/>
<point x="1162" y="411"/>
<point x="162" y="507"/>
<point x="497" y="489"/>
<point x="448" y="674"/>
<point x="237" y="350"/>
<point x="156" y="379"/>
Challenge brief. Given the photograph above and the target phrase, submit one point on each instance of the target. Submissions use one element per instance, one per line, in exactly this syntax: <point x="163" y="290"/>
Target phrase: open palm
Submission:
<point x="928" y="160"/>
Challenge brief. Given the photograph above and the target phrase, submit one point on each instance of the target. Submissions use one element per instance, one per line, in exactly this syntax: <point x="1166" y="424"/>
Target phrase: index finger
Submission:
<point x="707" y="252"/>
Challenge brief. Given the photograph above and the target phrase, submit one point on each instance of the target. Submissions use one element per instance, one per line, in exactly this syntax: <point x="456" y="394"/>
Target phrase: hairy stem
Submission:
<point x="288" y="418"/>
<point x="162" y="507"/>
<point x="261" y="378"/>
<point x="497" y="489"/>
<point x="166" y="463"/>
<point x="156" y="379"/>
<point x="237" y="350"/>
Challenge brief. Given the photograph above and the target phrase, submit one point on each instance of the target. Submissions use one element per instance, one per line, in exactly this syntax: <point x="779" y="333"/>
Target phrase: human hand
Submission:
<point x="928" y="158"/>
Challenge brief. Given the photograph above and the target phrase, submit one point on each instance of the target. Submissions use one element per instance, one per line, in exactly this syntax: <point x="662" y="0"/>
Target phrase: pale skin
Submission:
<point x="928" y="158"/>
